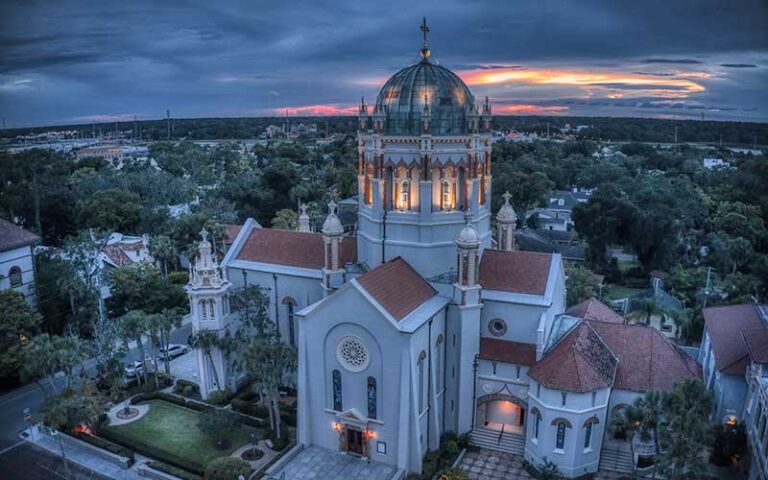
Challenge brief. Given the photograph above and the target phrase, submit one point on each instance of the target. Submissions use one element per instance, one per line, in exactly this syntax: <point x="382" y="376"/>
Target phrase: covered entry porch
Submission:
<point x="502" y="412"/>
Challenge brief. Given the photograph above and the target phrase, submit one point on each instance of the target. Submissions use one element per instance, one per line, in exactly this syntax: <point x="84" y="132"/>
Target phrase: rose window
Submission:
<point x="352" y="354"/>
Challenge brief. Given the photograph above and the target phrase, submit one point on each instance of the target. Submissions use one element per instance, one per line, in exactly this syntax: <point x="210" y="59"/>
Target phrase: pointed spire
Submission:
<point x="332" y="225"/>
<point x="205" y="271"/>
<point x="425" y="53"/>
<point x="506" y="213"/>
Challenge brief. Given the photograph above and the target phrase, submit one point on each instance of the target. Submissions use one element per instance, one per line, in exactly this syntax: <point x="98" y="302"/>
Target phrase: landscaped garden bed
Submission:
<point x="171" y="433"/>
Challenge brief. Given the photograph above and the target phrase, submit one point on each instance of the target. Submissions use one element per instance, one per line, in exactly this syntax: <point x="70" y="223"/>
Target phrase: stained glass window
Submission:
<point x="371" y="397"/>
<point x="337" y="404"/>
<point x="560" y="436"/>
<point x="588" y="435"/>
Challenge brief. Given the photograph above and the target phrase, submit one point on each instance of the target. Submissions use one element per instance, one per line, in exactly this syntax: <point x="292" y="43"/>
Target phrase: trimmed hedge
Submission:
<point x="220" y="397"/>
<point x="171" y="470"/>
<point x="167" y="397"/>
<point x="249" y="408"/>
<point x="198" y="406"/>
<point x="167" y="457"/>
<point x="106" y="445"/>
<point x="181" y="384"/>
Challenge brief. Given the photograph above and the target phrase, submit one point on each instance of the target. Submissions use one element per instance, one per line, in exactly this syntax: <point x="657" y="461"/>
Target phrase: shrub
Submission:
<point x="220" y="397"/>
<point x="464" y="440"/>
<point x="453" y="474"/>
<point x="250" y="408"/>
<point x="106" y="445"/>
<point x="171" y="470"/>
<point x="199" y="406"/>
<point x="289" y="418"/>
<point x="143" y="397"/>
<point x="449" y="448"/>
<point x="227" y="468"/>
<point x="188" y="391"/>
<point x="180" y="277"/>
<point x="279" y="444"/>
<point x="181" y="384"/>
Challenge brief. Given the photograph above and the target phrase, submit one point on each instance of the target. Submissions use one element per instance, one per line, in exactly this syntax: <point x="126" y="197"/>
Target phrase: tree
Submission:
<point x="207" y="340"/>
<point x="730" y="442"/>
<point x="83" y="252"/>
<point x="727" y="253"/>
<point x="73" y="407"/>
<point x="41" y="360"/>
<point x="285" y="219"/>
<point x="645" y="308"/>
<point x="168" y="319"/>
<point x="133" y="325"/>
<point x="163" y="250"/>
<point x="650" y="410"/>
<point x="626" y="423"/>
<point x="141" y="286"/>
<point x="686" y="433"/>
<point x="268" y="361"/>
<point x="112" y="209"/>
<point x="18" y="322"/>
<point x="227" y="468"/>
<point x="580" y="284"/>
<point x="53" y="277"/>
<point x="217" y="423"/>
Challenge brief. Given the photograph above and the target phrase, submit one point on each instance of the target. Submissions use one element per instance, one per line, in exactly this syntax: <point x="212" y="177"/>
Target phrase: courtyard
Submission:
<point x="316" y="463"/>
<point x="170" y="432"/>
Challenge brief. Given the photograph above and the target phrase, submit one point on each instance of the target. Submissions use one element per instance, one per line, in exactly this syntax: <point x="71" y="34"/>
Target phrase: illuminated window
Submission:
<point x="14" y="275"/>
<point x="405" y="191"/>
<point x="445" y="195"/>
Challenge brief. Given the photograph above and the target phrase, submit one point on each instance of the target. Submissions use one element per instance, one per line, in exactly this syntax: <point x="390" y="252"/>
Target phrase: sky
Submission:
<point x="65" y="62"/>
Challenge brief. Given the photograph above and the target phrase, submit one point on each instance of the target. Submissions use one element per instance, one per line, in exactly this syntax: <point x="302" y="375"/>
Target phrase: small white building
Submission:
<point x="17" y="263"/>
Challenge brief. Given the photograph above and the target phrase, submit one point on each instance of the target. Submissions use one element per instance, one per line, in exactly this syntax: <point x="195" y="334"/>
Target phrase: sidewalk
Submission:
<point x="87" y="460"/>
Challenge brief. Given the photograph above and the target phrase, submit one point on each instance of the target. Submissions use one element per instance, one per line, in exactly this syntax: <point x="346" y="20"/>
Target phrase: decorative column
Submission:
<point x="303" y="219"/>
<point x="333" y="233"/>
<point x="506" y="220"/>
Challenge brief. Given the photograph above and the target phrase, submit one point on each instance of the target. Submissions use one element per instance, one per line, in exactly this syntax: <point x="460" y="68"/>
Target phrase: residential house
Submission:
<point x="17" y="265"/>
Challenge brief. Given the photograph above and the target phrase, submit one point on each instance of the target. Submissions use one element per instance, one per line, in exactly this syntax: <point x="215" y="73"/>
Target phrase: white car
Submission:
<point x="134" y="368"/>
<point x="174" y="350"/>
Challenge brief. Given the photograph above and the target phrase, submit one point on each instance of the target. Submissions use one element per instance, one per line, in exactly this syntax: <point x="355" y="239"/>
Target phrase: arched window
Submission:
<point x="337" y="402"/>
<point x="371" y="397"/>
<point x="14" y="275"/>
<point x="422" y="395"/>
<point x="536" y="422"/>
<point x="290" y="305"/>
<point x="405" y="192"/>
<point x="440" y="362"/>
<point x="211" y="310"/>
<point x="588" y="431"/>
<point x="561" y="424"/>
<point x="445" y="195"/>
<point x="203" y="310"/>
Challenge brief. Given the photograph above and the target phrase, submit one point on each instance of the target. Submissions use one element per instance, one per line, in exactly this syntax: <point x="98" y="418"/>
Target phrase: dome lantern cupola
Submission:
<point x="507" y="220"/>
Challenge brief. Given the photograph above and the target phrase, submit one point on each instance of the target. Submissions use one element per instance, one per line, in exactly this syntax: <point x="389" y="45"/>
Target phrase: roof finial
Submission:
<point x="425" y="49"/>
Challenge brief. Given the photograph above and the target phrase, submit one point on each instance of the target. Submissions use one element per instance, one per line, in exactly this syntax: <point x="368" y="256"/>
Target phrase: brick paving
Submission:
<point x="316" y="463"/>
<point x="492" y="465"/>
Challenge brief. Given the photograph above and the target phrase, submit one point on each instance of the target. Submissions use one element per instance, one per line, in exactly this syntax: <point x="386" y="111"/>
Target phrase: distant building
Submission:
<point x="113" y="155"/>
<point x="122" y="250"/>
<point x="17" y="265"/>
<point x="557" y="214"/>
<point x="713" y="163"/>
<point x="274" y="131"/>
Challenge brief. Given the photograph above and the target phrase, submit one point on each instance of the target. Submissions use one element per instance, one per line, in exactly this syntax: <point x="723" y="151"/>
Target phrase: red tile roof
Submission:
<point x="12" y="236"/>
<point x="757" y="344"/>
<point x="659" y="274"/>
<point x="397" y="287"/>
<point x="295" y="249"/>
<point x="648" y="360"/>
<point x="231" y="231"/>
<point x="517" y="272"/>
<point x="499" y="350"/>
<point x="724" y="325"/>
<point x="594" y="309"/>
<point x="580" y="362"/>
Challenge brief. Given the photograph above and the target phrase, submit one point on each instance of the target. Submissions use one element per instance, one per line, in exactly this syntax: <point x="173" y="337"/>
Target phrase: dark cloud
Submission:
<point x="680" y="61"/>
<point x="738" y="65"/>
<point x="68" y="59"/>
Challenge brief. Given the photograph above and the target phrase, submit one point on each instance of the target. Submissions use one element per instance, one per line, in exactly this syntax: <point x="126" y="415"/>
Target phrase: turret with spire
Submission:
<point x="506" y="220"/>
<point x="205" y="272"/>
<point x="363" y="116"/>
<point x="333" y="234"/>
<point x="487" y="115"/>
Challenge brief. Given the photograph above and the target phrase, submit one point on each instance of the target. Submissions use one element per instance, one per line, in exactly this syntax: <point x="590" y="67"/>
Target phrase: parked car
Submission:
<point x="174" y="350"/>
<point x="134" y="368"/>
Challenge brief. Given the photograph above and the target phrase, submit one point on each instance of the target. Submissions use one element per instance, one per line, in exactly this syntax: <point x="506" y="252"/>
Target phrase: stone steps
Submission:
<point x="510" y="442"/>
<point x="616" y="460"/>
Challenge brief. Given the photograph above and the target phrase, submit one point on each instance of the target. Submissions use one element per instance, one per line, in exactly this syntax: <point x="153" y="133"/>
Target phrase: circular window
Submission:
<point x="352" y="354"/>
<point x="497" y="327"/>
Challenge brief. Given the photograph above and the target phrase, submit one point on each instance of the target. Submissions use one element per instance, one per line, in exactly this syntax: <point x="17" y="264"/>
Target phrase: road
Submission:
<point x="13" y="403"/>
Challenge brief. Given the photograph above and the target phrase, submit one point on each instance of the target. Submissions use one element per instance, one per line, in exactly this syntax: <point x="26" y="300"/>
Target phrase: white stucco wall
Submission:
<point x="22" y="258"/>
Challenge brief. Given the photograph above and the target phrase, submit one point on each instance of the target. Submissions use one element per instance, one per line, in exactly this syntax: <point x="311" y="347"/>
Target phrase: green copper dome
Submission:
<point x="403" y="97"/>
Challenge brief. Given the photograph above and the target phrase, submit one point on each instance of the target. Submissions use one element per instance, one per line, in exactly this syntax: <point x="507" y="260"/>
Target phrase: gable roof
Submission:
<point x="397" y="287"/>
<point x="594" y="309"/>
<point x="724" y="325"/>
<point x="295" y="249"/>
<point x="517" y="272"/>
<point x="757" y="344"/>
<point x="580" y="362"/>
<point x="12" y="236"/>
<point x="648" y="360"/>
<point x="496" y="349"/>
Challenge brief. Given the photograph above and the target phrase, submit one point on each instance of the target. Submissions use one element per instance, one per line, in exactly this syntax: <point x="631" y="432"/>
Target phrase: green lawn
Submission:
<point x="172" y="431"/>
<point x="615" y="292"/>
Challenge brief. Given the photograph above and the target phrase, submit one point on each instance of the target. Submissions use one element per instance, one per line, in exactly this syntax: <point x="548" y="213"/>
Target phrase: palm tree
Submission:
<point x="650" y="409"/>
<point x="685" y="321"/>
<point x="164" y="251"/>
<point x="627" y="421"/>
<point x="206" y="340"/>
<point x="133" y="325"/>
<point x="170" y="318"/>
<point x="645" y="308"/>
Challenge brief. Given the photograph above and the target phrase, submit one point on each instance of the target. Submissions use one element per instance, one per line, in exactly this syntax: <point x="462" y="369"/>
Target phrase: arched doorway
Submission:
<point x="499" y="411"/>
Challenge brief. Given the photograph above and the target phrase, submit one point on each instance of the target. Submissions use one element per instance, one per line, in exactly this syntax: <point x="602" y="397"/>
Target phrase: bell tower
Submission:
<point x="209" y="307"/>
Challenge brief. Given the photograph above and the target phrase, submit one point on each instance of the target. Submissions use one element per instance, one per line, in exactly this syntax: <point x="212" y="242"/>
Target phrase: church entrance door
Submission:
<point x="354" y="441"/>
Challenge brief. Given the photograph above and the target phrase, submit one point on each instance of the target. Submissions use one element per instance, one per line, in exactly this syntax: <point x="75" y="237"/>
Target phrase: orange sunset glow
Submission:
<point x="530" y="109"/>
<point x="317" y="110"/>
<point x="678" y="86"/>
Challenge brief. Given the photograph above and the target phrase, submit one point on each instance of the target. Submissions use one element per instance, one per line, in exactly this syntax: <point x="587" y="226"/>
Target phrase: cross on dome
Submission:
<point x="425" y="53"/>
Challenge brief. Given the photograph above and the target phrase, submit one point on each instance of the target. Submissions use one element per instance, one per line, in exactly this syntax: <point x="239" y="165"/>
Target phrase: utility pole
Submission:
<point x="675" y="134"/>
<point x="168" y="122"/>
<point x="547" y="130"/>
<point x="706" y="289"/>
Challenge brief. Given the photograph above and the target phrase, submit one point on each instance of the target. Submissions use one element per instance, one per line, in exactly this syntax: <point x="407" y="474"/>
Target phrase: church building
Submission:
<point x="428" y="319"/>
